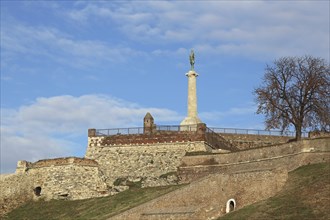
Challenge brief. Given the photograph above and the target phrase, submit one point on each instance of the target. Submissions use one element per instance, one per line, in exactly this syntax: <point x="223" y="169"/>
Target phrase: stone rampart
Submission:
<point x="23" y="166"/>
<point x="290" y="156"/>
<point x="207" y="197"/>
<point x="139" y="161"/>
<point x="245" y="177"/>
<point x="250" y="141"/>
<point x="15" y="190"/>
<point x="62" y="178"/>
<point x="154" y="138"/>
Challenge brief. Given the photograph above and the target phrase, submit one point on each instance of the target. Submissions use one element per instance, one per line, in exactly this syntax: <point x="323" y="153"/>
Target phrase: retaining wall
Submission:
<point x="207" y="198"/>
<point x="61" y="178"/>
<point x="247" y="177"/>
<point x="290" y="156"/>
<point x="250" y="141"/>
<point x="139" y="161"/>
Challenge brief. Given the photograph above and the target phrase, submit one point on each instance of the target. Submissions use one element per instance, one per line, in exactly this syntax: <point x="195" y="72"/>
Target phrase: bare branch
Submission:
<point x="295" y="91"/>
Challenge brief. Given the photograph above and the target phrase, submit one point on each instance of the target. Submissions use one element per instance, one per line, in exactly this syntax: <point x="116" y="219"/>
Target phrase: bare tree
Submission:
<point x="296" y="92"/>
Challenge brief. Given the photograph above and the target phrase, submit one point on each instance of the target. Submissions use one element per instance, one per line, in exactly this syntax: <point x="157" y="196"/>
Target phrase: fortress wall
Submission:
<point x="69" y="181"/>
<point x="143" y="160"/>
<point x="147" y="138"/>
<point x="290" y="156"/>
<point x="207" y="197"/>
<point x="249" y="141"/>
<point x="152" y="138"/>
<point x="15" y="190"/>
<point x="61" y="178"/>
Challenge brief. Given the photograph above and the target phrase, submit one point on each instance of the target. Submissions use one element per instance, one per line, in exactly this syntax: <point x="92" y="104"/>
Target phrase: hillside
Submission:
<point x="96" y="208"/>
<point x="306" y="195"/>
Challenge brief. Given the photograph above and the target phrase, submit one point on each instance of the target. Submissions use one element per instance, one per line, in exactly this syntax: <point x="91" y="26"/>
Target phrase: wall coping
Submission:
<point x="23" y="165"/>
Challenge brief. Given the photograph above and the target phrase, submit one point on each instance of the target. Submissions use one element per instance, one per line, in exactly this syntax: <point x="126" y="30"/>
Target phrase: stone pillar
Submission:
<point x="22" y="166"/>
<point x="91" y="132"/>
<point x="192" y="118"/>
<point x="148" y="124"/>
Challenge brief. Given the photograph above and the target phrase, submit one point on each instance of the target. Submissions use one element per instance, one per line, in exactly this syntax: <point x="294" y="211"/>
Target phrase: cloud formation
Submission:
<point x="249" y="28"/>
<point x="49" y="43"/>
<point x="57" y="126"/>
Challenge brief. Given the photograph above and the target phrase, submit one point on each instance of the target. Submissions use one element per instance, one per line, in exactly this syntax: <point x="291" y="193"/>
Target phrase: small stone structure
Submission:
<point x="148" y="124"/>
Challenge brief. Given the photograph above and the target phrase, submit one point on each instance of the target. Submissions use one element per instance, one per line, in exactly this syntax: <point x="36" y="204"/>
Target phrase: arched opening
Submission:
<point x="37" y="191"/>
<point x="231" y="205"/>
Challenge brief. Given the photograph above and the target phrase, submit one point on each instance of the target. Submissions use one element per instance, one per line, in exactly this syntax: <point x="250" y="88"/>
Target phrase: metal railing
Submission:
<point x="217" y="141"/>
<point x="257" y="132"/>
<point x="177" y="128"/>
<point x="140" y="130"/>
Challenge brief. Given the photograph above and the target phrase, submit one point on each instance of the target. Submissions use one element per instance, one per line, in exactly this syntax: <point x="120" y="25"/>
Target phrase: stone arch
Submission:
<point x="37" y="191"/>
<point x="231" y="205"/>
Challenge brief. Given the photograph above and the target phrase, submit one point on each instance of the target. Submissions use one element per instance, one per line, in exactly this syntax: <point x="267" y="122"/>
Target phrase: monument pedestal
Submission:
<point x="192" y="118"/>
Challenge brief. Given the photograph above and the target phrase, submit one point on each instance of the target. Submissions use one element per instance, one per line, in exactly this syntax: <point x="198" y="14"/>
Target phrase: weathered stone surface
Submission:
<point x="250" y="141"/>
<point x="62" y="178"/>
<point x="247" y="177"/>
<point x="114" y="164"/>
<point x="139" y="161"/>
<point x="290" y="156"/>
<point x="15" y="190"/>
<point x="207" y="198"/>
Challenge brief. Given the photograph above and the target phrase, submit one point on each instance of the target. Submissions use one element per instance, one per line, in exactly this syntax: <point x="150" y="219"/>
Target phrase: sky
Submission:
<point x="67" y="66"/>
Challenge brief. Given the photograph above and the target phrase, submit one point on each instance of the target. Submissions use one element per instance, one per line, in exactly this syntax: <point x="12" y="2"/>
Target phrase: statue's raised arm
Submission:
<point x="192" y="59"/>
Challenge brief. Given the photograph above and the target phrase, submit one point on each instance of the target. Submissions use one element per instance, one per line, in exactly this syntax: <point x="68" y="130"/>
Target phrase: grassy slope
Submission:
<point x="306" y="195"/>
<point x="97" y="208"/>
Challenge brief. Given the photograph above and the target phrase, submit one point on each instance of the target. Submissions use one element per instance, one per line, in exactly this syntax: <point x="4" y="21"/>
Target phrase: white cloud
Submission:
<point x="59" y="46"/>
<point x="248" y="28"/>
<point x="50" y="127"/>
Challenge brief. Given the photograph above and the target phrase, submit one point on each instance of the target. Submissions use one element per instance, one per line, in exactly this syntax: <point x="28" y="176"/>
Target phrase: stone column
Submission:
<point x="192" y="118"/>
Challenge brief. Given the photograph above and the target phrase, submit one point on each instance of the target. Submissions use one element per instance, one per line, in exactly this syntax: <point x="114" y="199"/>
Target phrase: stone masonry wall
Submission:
<point x="61" y="178"/>
<point x="290" y="155"/>
<point x="15" y="190"/>
<point x="153" y="138"/>
<point x="249" y="141"/>
<point x="140" y="160"/>
<point x="246" y="177"/>
<point x="207" y="198"/>
<point x="70" y="181"/>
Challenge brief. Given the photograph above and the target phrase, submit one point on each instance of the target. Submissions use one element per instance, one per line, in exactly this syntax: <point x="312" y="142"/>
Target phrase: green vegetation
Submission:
<point x="119" y="181"/>
<point x="306" y="195"/>
<point x="97" y="208"/>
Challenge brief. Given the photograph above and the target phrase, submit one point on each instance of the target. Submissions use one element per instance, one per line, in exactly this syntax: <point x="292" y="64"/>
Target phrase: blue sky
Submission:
<point x="67" y="66"/>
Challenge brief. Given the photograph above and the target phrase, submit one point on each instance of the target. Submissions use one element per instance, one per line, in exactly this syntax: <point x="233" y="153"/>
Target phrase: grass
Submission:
<point x="96" y="208"/>
<point x="306" y="195"/>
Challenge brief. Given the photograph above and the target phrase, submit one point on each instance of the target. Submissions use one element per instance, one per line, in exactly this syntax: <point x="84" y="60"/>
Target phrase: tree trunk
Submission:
<point x="298" y="132"/>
